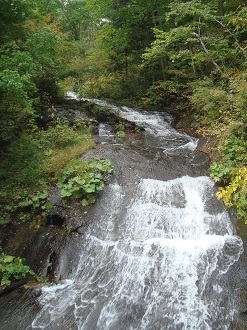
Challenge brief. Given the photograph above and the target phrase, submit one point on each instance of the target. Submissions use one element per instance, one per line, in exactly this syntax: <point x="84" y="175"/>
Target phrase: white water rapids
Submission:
<point x="155" y="255"/>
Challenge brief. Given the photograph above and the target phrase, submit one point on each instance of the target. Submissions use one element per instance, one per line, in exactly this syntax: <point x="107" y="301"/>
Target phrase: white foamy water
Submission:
<point x="156" y="124"/>
<point x="153" y="264"/>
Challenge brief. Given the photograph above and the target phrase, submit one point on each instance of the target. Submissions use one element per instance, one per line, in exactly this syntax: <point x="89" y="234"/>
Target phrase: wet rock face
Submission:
<point x="16" y="308"/>
<point x="47" y="248"/>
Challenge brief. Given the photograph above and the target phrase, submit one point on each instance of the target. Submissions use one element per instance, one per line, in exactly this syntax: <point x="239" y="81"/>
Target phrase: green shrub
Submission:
<point x="162" y="93"/>
<point x="21" y="166"/>
<point x="34" y="208"/>
<point x="12" y="269"/>
<point x="81" y="180"/>
<point x="235" y="193"/>
<point x="16" y="110"/>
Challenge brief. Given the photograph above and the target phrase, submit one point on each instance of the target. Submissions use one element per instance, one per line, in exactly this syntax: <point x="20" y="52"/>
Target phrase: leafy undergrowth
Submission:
<point x="34" y="162"/>
<point x="220" y="111"/>
<point x="82" y="180"/>
<point x="13" y="269"/>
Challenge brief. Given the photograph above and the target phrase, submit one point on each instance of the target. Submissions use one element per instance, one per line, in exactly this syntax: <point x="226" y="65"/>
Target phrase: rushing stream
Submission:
<point x="159" y="246"/>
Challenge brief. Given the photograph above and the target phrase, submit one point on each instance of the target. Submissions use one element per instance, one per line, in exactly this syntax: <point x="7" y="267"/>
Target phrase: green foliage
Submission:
<point x="190" y="39"/>
<point x="35" y="201"/>
<point x="235" y="193"/>
<point x="193" y="41"/>
<point x="98" y="111"/>
<point x="221" y="104"/>
<point x="219" y="172"/>
<point x="163" y="93"/>
<point x="239" y="19"/>
<point x="16" y="108"/>
<point x="16" y="87"/>
<point x="121" y="134"/>
<point x="12" y="269"/>
<point x="36" y="56"/>
<point x="120" y="130"/>
<point x="232" y="174"/>
<point x="81" y="180"/>
<point x="113" y="64"/>
<point x="105" y="86"/>
<point x="21" y="166"/>
<point x="221" y="109"/>
<point x="28" y="156"/>
<point x="76" y="18"/>
<point x="13" y="13"/>
<point x="60" y="135"/>
<point x="209" y="100"/>
<point x="234" y="150"/>
<point x="34" y="208"/>
<point x="25" y="206"/>
<point x="35" y="161"/>
<point x="43" y="45"/>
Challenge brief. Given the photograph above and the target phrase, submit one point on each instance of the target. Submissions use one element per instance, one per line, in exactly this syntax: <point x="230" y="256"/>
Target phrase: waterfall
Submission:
<point x="156" y="252"/>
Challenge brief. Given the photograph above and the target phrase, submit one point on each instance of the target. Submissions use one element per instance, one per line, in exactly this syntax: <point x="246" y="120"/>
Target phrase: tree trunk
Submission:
<point x="221" y="7"/>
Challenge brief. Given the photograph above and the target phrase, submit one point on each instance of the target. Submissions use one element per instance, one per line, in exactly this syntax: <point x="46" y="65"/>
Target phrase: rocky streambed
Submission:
<point x="138" y="159"/>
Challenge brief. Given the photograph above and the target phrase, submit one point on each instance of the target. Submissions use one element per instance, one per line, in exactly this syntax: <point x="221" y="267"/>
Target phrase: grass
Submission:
<point x="53" y="168"/>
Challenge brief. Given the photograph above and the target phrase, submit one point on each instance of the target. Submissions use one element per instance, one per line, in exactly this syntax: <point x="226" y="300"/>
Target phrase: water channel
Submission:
<point x="158" y="249"/>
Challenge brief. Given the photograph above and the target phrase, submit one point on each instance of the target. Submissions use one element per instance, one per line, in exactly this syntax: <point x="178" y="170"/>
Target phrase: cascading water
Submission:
<point x="156" y="252"/>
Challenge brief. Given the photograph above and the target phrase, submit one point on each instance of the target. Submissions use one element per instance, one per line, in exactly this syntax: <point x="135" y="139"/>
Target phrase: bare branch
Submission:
<point x="206" y="50"/>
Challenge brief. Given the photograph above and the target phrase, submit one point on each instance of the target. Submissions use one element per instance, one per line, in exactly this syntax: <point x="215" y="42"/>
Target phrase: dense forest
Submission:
<point x="184" y="57"/>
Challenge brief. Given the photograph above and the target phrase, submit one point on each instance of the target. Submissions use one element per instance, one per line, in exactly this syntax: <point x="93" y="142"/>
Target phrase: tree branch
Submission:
<point x="234" y="37"/>
<point x="198" y="35"/>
